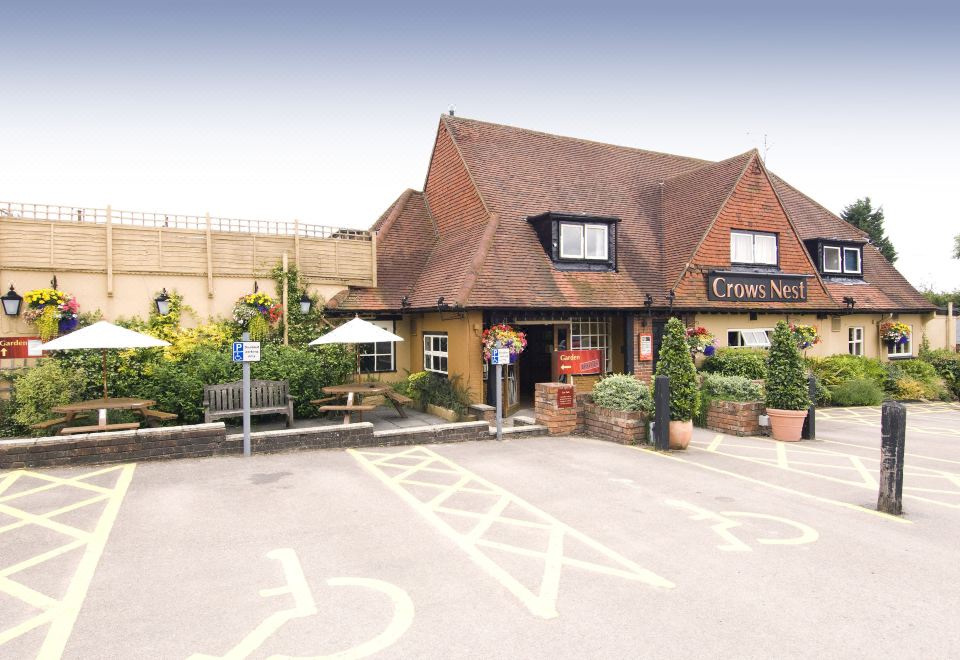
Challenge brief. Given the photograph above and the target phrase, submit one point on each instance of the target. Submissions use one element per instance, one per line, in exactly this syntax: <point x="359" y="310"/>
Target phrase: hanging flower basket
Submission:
<point x="503" y="336"/>
<point x="701" y="340"/>
<point x="257" y="313"/>
<point x="894" y="332"/>
<point x="51" y="311"/>
<point x="805" y="335"/>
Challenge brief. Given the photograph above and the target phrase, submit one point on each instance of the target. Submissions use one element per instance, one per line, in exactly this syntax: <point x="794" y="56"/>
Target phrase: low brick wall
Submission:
<point x="627" y="428"/>
<point x="734" y="417"/>
<point x="483" y="412"/>
<point x="559" y="421"/>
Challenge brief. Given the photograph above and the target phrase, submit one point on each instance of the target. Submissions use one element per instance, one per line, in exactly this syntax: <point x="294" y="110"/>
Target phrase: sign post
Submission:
<point x="499" y="357"/>
<point x="246" y="351"/>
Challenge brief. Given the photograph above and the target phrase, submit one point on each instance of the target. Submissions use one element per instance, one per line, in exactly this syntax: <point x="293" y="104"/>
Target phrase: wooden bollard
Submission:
<point x="661" y="412"/>
<point x="810" y="423"/>
<point x="893" y="430"/>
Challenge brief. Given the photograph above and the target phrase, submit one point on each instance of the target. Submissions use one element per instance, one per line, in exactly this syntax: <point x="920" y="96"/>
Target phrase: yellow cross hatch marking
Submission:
<point x="60" y="613"/>
<point x="506" y="508"/>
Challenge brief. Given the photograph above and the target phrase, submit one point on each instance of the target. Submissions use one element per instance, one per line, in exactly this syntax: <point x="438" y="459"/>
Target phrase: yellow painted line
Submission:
<point x="23" y="628"/>
<point x="54" y="482"/>
<point x="40" y="521"/>
<point x="807" y="533"/>
<point x="26" y="594"/>
<point x="784" y="489"/>
<point x="877" y="449"/>
<point x="717" y="439"/>
<point x="503" y="519"/>
<point x="62" y="625"/>
<point x="39" y="559"/>
<point x="868" y="477"/>
<point x="9" y="480"/>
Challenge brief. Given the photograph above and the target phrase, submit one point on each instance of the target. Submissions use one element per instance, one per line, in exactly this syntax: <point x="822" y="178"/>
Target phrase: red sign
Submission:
<point x="578" y="363"/>
<point x="645" y="353"/>
<point x="20" y="347"/>
<point x="565" y="397"/>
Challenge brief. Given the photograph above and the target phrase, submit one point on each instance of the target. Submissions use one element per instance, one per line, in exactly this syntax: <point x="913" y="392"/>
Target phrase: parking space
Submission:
<point x="544" y="547"/>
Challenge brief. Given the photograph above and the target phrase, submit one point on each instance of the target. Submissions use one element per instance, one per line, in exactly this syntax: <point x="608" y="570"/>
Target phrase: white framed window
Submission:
<point x="831" y="259"/>
<point x="749" y="338"/>
<point x="592" y="333"/>
<point x="435" y="353"/>
<point x="902" y="350"/>
<point x="851" y="260"/>
<point x="379" y="356"/>
<point x="855" y="341"/>
<point x="747" y="247"/>
<point x="579" y="241"/>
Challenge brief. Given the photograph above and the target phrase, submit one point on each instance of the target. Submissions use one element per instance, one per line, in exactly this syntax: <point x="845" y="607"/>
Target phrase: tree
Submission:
<point x="675" y="362"/>
<point x="786" y="380"/>
<point x="861" y="215"/>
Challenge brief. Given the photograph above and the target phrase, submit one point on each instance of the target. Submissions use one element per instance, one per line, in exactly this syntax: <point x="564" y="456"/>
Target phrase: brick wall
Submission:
<point x="735" y="417"/>
<point x="627" y="428"/>
<point x="558" y="421"/>
<point x="454" y="201"/>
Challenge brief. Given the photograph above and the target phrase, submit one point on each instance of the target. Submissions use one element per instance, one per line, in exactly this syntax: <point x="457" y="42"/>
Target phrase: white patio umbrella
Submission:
<point x="356" y="331"/>
<point x="103" y="335"/>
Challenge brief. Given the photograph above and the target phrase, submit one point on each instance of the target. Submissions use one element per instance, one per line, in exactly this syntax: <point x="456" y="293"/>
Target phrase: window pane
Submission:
<point x="571" y="241"/>
<point x="831" y="259"/>
<point x="741" y="248"/>
<point x="384" y="363"/>
<point x="443" y="364"/>
<point x="596" y="242"/>
<point x="851" y="260"/>
<point x="365" y="349"/>
<point x="366" y="363"/>
<point x="765" y="249"/>
<point x="443" y="344"/>
<point x="733" y="338"/>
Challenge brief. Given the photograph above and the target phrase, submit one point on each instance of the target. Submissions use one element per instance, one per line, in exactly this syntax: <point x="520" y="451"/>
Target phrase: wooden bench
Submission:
<point x="357" y="408"/>
<point x="153" y="416"/>
<point x="398" y="400"/>
<point x="267" y="397"/>
<point x="48" y="423"/>
<point x="70" y="430"/>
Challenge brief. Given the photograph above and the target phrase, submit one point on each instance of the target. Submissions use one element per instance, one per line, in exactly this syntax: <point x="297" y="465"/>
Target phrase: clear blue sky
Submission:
<point x="327" y="113"/>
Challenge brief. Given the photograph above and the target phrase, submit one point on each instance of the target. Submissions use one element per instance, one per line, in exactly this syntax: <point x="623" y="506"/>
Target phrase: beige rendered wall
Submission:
<point x="465" y="357"/>
<point x="832" y="341"/>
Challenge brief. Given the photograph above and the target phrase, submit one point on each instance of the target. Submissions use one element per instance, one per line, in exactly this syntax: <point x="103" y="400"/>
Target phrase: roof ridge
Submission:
<point x="818" y="204"/>
<point x="479" y="259"/>
<point x="749" y="152"/>
<point x="576" y="139"/>
<point x="395" y="210"/>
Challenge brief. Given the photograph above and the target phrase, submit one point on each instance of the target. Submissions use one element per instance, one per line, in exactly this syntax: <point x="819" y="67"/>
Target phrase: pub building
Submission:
<point x="591" y="247"/>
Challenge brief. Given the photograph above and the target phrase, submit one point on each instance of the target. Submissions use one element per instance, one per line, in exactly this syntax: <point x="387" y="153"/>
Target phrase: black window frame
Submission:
<point x="548" y="227"/>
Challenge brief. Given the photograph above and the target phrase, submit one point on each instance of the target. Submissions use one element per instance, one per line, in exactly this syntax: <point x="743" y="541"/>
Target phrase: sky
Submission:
<point x="326" y="112"/>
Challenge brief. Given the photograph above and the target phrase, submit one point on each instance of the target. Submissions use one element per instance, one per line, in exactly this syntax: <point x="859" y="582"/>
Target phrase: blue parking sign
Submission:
<point x="238" y="351"/>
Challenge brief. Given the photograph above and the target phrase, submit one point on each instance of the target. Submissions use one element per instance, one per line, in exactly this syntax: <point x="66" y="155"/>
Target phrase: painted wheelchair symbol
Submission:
<point x="725" y="521"/>
<point x="305" y="606"/>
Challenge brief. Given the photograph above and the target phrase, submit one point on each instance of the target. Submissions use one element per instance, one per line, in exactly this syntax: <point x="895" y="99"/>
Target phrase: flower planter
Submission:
<point x="786" y="425"/>
<point x="624" y="427"/>
<point x="446" y="413"/>
<point x="680" y="434"/>
<point x="734" y="417"/>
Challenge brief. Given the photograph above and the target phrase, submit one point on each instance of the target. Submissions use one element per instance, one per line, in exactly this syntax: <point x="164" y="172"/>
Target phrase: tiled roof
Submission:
<point x="666" y="204"/>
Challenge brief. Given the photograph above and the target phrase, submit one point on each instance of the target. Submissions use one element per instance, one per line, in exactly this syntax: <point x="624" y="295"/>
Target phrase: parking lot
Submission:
<point x="530" y="548"/>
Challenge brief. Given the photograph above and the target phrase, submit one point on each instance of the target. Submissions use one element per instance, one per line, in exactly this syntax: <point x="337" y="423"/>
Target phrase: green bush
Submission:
<point x="675" y="362"/>
<point x="177" y="385"/>
<point x="747" y="362"/>
<point x="836" y="369"/>
<point x="38" y="390"/>
<point x="947" y="365"/>
<point x="857" y="392"/>
<point x="786" y="379"/>
<point x="622" y="392"/>
<point x="916" y="379"/>
<point x="427" y="387"/>
<point x="731" y="388"/>
<point x="308" y="371"/>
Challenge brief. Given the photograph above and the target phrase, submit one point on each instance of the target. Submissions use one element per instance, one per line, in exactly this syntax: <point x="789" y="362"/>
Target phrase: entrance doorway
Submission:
<point x="535" y="363"/>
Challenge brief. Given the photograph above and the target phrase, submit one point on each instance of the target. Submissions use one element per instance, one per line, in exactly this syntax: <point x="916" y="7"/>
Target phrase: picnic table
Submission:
<point x="354" y="392"/>
<point x="82" y="408"/>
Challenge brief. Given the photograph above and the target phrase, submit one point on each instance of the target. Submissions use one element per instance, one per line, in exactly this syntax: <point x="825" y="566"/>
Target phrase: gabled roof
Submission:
<point x="666" y="204"/>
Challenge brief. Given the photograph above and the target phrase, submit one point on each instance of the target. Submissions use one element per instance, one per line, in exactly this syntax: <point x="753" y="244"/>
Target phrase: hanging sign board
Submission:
<point x="565" y="397"/>
<point x="756" y="287"/>
<point x="20" y="347"/>
<point x="645" y="354"/>
<point x="246" y="351"/>
<point x="578" y="363"/>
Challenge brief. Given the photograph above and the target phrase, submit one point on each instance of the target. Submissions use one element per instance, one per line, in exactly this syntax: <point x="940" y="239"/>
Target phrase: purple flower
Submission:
<point x="709" y="350"/>
<point x="902" y="340"/>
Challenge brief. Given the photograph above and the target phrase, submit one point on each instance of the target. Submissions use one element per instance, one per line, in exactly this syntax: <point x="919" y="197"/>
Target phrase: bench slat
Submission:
<point x="348" y="408"/>
<point x="70" y="430"/>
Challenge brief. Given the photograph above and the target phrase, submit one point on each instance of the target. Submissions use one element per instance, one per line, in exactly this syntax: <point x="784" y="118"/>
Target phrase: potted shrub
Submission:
<point x="787" y="397"/>
<point x="675" y="362"/>
<point x="619" y="409"/>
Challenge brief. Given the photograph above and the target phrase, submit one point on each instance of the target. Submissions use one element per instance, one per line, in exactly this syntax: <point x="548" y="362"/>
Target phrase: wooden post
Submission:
<point x="286" y="315"/>
<point x="296" y="243"/>
<point x="810" y="423"/>
<point x="373" y="256"/>
<point x="893" y="432"/>
<point x="109" y="228"/>
<point x="209" y="257"/>
<point x="661" y="413"/>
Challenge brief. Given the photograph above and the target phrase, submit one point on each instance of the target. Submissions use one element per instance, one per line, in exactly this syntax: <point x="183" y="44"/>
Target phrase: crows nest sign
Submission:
<point x="756" y="287"/>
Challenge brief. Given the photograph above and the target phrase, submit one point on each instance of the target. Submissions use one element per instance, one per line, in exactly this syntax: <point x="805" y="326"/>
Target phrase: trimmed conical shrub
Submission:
<point x="786" y="379"/>
<point x="675" y="361"/>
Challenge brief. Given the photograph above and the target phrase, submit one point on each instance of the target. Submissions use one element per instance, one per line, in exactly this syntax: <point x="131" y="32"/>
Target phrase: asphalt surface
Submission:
<point x="530" y="548"/>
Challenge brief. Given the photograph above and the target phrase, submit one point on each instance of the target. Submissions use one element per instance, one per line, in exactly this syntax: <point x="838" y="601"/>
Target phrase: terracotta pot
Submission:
<point x="680" y="434"/>
<point x="786" y="425"/>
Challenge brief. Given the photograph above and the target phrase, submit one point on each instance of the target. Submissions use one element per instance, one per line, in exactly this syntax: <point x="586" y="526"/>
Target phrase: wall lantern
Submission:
<point x="163" y="303"/>
<point x="849" y="302"/>
<point x="305" y="304"/>
<point x="11" y="302"/>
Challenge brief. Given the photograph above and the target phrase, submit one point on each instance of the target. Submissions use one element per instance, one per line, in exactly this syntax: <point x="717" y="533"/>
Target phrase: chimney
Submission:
<point x="452" y="110"/>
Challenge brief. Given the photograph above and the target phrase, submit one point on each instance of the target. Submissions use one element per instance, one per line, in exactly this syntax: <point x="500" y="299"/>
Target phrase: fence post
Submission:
<point x="893" y="431"/>
<point x="810" y="423"/>
<point x="109" y="231"/>
<point x="661" y="412"/>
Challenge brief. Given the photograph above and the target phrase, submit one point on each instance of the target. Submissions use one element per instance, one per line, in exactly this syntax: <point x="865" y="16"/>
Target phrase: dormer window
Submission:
<point x="578" y="242"/>
<point x="753" y="248"/>
<point x="583" y="241"/>
<point x="838" y="258"/>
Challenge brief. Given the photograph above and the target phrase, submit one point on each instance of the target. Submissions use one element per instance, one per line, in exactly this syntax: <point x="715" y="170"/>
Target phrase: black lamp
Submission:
<point x="305" y="304"/>
<point x="849" y="302"/>
<point x="163" y="303"/>
<point x="11" y="302"/>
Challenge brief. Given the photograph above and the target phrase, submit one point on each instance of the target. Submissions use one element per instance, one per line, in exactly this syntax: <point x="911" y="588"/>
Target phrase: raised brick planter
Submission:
<point x="559" y="421"/>
<point x="735" y="417"/>
<point x="627" y="428"/>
